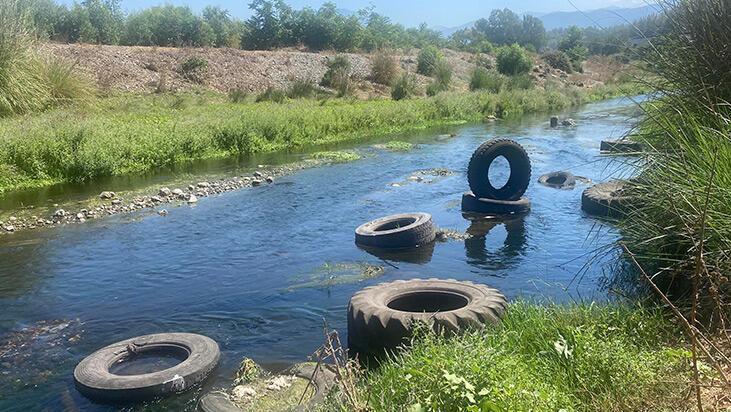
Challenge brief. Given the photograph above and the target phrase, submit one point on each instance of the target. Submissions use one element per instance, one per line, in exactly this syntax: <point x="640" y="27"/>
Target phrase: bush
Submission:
<point x="238" y="95"/>
<point x="442" y="78"/>
<point x="193" y="68"/>
<point x="513" y="60"/>
<point x="483" y="79"/>
<point x="427" y="60"/>
<point x="522" y="82"/>
<point x="301" y="89"/>
<point x="558" y="60"/>
<point x="65" y="86"/>
<point x="384" y="68"/>
<point x="335" y="68"/>
<point x="404" y="87"/>
<point x="271" y="95"/>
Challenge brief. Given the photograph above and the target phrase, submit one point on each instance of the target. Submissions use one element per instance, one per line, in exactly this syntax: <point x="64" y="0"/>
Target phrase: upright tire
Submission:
<point x="520" y="170"/>
<point x="94" y="379"/>
<point x="606" y="200"/>
<point x="381" y="317"/>
<point x="471" y="204"/>
<point x="406" y="230"/>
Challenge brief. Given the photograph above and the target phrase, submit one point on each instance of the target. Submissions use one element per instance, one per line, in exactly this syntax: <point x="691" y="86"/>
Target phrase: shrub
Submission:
<point x="483" y="79"/>
<point x="512" y="60"/>
<point x="65" y="86"/>
<point x="404" y="87"/>
<point x="558" y="60"/>
<point x="193" y="68"/>
<point x="237" y="95"/>
<point x="335" y="68"/>
<point x="442" y="78"/>
<point x="384" y="68"/>
<point x="271" y="95"/>
<point x="301" y="89"/>
<point x="427" y="60"/>
<point x="522" y="82"/>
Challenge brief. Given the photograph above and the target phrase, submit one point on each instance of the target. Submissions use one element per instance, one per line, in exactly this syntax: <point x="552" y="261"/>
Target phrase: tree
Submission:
<point x="573" y="45"/>
<point x="226" y="32"/>
<point x="533" y="32"/>
<point x="270" y="26"/>
<point x="502" y="27"/>
<point x="513" y="60"/>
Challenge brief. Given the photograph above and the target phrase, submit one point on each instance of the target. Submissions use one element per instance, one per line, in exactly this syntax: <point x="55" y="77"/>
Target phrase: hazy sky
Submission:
<point x="410" y="12"/>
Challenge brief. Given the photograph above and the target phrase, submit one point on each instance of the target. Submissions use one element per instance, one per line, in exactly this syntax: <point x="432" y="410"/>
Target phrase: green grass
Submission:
<point x="543" y="358"/>
<point x="133" y="133"/>
<point x="398" y="146"/>
<point x="340" y="156"/>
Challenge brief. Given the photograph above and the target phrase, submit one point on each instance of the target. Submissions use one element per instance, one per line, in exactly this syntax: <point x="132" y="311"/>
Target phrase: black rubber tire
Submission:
<point x="94" y="380"/>
<point x="620" y="146"/>
<point x="404" y="230"/>
<point x="606" y="200"/>
<point x="558" y="180"/>
<point x="520" y="170"/>
<point x="323" y="382"/>
<point x="471" y="204"/>
<point x="374" y="325"/>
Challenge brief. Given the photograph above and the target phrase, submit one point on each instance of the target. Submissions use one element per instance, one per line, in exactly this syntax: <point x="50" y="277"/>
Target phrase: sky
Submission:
<point x="447" y="13"/>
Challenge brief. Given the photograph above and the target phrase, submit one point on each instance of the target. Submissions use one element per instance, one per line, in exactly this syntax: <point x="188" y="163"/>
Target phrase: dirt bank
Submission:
<point x="144" y="69"/>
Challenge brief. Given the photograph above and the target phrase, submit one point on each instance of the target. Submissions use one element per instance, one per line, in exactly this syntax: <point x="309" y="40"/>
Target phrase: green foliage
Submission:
<point x="502" y="28"/>
<point x="544" y="358"/>
<point x="404" y="87"/>
<point x="483" y="79"/>
<point x="302" y="89"/>
<point x="338" y="68"/>
<point x="132" y="134"/>
<point x="426" y="62"/>
<point x="193" y="68"/>
<point x="384" y="68"/>
<point x="572" y="44"/>
<point x="27" y="82"/>
<point x="399" y="146"/>
<point x="558" y="60"/>
<point x="442" y="78"/>
<point x="513" y="60"/>
<point x="170" y="25"/>
<point x="340" y="156"/>
<point x="271" y="94"/>
<point x="238" y="95"/>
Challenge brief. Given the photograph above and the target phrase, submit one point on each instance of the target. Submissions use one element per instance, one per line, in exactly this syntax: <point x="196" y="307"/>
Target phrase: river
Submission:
<point x="260" y="270"/>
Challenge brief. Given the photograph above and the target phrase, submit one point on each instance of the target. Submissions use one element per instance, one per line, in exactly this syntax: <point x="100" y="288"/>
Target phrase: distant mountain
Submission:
<point x="607" y="17"/>
<point x="602" y="17"/>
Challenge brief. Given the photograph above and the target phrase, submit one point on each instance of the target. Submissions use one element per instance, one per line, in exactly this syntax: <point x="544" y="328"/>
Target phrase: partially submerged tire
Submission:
<point x="471" y="204"/>
<point x="404" y="230"/>
<point x="323" y="381"/>
<point x="199" y="355"/>
<point x="558" y="180"/>
<point x="620" y="146"/>
<point x="381" y="317"/>
<point x="520" y="170"/>
<point x="606" y="199"/>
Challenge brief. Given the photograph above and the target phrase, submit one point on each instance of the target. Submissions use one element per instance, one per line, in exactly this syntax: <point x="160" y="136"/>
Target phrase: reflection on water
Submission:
<point x="228" y="268"/>
<point x="417" y="255"/>
<point x="495" y="244"/>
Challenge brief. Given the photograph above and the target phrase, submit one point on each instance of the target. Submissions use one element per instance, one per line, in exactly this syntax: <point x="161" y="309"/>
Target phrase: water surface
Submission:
<point x="239" y="267"/>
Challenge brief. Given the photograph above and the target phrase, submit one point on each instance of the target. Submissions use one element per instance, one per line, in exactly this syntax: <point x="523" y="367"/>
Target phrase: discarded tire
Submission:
<point x="199" y="355"/>
<point x="323" y="381"/>
<point x="620" y="146"/>
<point x="558" y="180"/>
<point x="381" y="317"/>
<point x="405" y="230"/>
<point x="605" y="199"/>
<point x="478" y="176"/>
<point x="471" y="204"/>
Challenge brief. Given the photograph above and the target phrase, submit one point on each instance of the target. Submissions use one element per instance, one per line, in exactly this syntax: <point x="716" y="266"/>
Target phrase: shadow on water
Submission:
<point x="483" y="248"/>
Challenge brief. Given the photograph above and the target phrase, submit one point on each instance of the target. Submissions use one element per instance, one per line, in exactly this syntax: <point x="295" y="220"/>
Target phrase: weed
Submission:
<point x="384" y="68"/>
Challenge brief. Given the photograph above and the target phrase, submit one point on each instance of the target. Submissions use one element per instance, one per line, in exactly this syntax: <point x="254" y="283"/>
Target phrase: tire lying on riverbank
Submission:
<point x="606" y="199"/>
<point x="471" y="204"/>
<point x="199" y="355"/>
<point x="381" y="317"/>
<point x="479" y="166"/>
<point x="321" y="378"/>
<point x="406" y="230"/>
<point x="558" y="180"/>
<point x="620" y="146"/>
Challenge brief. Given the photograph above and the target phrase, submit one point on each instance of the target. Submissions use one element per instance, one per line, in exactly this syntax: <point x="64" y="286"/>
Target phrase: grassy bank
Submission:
<point x="134" y="133"/>
<point x="542" y="358"/>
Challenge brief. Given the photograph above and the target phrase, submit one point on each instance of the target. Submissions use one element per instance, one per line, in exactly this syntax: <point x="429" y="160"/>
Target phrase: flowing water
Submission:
<point x="261" y="270"/>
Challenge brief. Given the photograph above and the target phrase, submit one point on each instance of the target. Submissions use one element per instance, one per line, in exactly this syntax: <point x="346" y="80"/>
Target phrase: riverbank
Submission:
<point x="544" y="357"/>
<point x="135" y="133"/>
